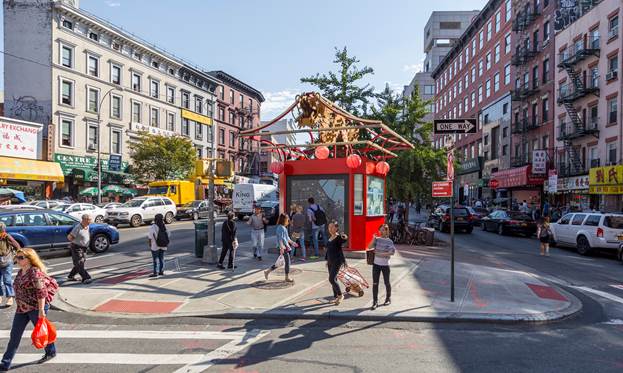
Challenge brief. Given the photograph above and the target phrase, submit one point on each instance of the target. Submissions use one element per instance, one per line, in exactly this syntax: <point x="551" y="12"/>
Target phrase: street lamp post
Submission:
<point x="99" y="147"/>
<point x="210" y="255"/>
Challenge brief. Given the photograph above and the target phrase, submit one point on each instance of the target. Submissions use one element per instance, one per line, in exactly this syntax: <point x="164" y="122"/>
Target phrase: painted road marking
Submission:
<point x="116" y="359"/>
<point x="139" y="334"/>
<point x="603" y="294"/>
<point x="620" y="287"/>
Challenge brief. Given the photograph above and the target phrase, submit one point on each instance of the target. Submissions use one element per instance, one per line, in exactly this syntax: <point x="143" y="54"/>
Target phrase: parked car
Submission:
<point x="143" y="210"/>
<point x="478" y="213"/>
<point x="193" y="210"/>
<point x="48" y="229"/>
<point x="111" y="205"/>
<point x="76" y="210"/>
<point x="585" y="231"/>
<point x="48" y="203"/>
<point x="509" y="222"/>
<point x="20" y="207"/>
<point x="440" y="219"/>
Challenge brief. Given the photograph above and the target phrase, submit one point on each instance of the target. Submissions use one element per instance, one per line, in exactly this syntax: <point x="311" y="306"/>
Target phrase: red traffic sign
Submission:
<point x="493" y="183"/>
<point x="442" y="189"/>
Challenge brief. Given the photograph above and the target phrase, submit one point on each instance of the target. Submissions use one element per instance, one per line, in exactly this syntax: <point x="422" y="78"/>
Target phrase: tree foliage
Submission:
<point x="157" y="157"/>
<point x="344" y="87"/>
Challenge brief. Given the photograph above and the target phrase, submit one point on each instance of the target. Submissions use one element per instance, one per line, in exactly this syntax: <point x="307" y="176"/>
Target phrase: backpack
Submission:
<point x="319" y="216"/>
<point x="162" y="238"/>
<point x="545" y="232"/>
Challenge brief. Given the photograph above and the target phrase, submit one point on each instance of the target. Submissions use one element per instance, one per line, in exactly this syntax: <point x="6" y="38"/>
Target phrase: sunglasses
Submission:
<point x="20" y="257"/>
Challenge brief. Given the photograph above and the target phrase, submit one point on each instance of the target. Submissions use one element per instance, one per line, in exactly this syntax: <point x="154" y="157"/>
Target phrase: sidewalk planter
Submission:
<point x="201" y="237"/>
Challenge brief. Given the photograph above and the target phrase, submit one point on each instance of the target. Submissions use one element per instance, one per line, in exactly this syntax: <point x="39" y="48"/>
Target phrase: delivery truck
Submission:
<point x="247" y="196"/>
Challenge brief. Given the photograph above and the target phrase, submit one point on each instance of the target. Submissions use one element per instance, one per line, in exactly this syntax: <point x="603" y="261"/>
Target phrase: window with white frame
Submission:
<point x="480" y="67"/>
<point x="498" y="21"/>
<point x="185" y="100"/>
<point x="488" y="60"/>
<point x="171" y="122"/>
<point x="199" y="104"/>
<point x="115" y="106"/>
<point x="545" y="32"/>
<point x="185" y="127"/>
<point x="507" y="74"/>
<point x="231" y="96"/>
<point x="67" y="132"/>
<point x="612" y="153"/>
<point x="154" y="88"/>
<point x="480" y="93"/>
<point x="473" y="74"/>
<point x="198" y="131"/>
<point x="171" y="95"/>
<point x="508" y="10"/>
<point x="496" y="53"/>
<point x="67" y="56"/>
<point x="92" y="99"/>
<point x="115" y="74"/>
<point x="489" y="30"/>
<point x="466" y="81"/>
<point x="67" y="92"/>
<point x="613" y="27"/>
<point x="92" y="136"/>
<point x="507" y="43"/>
<point x="136" y="82"/>
<point x="496" y="82"/>
<point x="474" y="48"/>
<point x="154" y="115"/>
<point x="481" y="39"/>
<point x="93" y="65"/>
<point x="488" y="88"/>
<point x="115" y="141"/>
<point x="466" y="103"/>
<point x="466" y="56"/>
<point x="137" y="108"/>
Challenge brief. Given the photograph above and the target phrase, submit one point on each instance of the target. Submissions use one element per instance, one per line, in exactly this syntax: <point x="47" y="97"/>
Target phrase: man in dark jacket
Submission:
<point x="228" y="236"/>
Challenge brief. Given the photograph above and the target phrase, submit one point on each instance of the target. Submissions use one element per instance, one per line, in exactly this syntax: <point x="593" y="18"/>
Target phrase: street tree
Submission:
<point x="158" y="157"/>
<point x="345" y="87"/>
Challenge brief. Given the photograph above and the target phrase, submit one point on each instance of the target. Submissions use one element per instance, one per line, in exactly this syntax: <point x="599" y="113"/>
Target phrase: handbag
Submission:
<point x="280" y="262"/>
<point x="235" y="244"/>
<point x="296" y="235"/>
<point x="370" y="257"/>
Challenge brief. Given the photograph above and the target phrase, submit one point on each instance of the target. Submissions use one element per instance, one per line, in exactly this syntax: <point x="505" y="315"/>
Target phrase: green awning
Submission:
<point x="86" y="174"/>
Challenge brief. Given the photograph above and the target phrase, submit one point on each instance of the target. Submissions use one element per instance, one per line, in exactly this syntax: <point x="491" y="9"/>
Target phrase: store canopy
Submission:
<point x="12" y="193"/>
<point x="29" y="169"/>
<point x="117" y="189"/>
<point x="90" y="192"/>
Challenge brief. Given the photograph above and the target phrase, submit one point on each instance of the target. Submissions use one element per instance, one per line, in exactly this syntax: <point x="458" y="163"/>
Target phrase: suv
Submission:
<point x="588" y="230"/>
<point x="142" y="210"/>
<point x="48" y="229"/>
<point x="440" y="219"/>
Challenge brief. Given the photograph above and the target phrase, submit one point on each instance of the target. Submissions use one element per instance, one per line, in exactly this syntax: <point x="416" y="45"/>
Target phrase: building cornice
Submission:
<point x="238" y="84"/>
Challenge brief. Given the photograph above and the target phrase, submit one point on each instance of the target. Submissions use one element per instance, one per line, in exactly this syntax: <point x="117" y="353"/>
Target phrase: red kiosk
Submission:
<point x="342" y="165"/>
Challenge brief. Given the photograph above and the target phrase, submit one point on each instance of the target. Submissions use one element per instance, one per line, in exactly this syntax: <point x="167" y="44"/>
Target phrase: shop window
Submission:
<point x="375" y="196"/>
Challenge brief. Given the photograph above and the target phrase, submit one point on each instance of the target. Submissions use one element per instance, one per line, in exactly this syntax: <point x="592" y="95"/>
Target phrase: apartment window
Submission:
<point x="496" y="82"/>
<point x="507" y="43"/>
<point x="93" y="65"/>
<point x="466" y="81"/>
<point x="199" y="104"/>
<point x="474" y="47"/>
<point x="489" y="30"/>
<point x="613" y="27"/>
<point x="473" y="99"/>
<point x="68" y="24"/>
<point x="613" y="66"/>
<point x="508" y="10"/>
<point x="231" y="96"/>
<point x="115" y="74"/>
<point x="545" y="109"/>
<point x="221" y="136"/>
<point x="222" y="92"/>
<point x="429" y="89"/>
<point x="232" y="139"/>
<point x="67" y="92"/>
<point x="612" y="110"/>
<point x="221" y="114"/>
<point x="67" y="56"/>
<point x="115" y="106"/>
<point x="92" y="137"/>
<point x="185" y="127"/>
<point x="481" y="39"/>
<point x="498" y="18"/>
<point x="155" y="64"/>
<point x="505" y="108"/>
<point x="93" y="36"/>
<point x="116" y="46"/>
<point x="535" y="76"/>
<point x="186" y="100"/>
<point x="115" y="142"/>
<point x="67" y="132"/>
<point x="232" y="118"/>
<point x="92" y="100"/>
<point x="496" y="53"/>
<point x="465" y="103"/>
<point x="136" y="82"/>
<point x="504" y="132"/>
<point x="545" y="70"/>
<point x="154" y="88"/>
<point x="488" y="59"/>
<point x="545" y="32"/>
<point x="473" y="74"/>
<point x="612" y="153"/>
<point x="171" y="95"/>
<point x="198" y="131"/>
<point x="241" y="101"/>
<point x="199" y="153"/>
<point x="486" y="140"/>
<point x="460" y="86"/>
<point x="136" y="112"/>
<point x="545" y="142"/>
<point x="504" y="149"/>
<point x="480" y="93"/>
<point x="480" y="67"/>
<point x="488" y="88"/>
<point x="154" y="119"/>
<point x="171" y="122"/>
<point x="466" y="56"/>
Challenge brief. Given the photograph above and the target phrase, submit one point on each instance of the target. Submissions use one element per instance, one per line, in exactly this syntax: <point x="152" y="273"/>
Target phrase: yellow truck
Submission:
<point x="180" y="191"/>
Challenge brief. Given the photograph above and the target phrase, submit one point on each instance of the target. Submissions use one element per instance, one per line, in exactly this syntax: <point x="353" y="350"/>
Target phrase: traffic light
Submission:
<point x="224" y="168"/>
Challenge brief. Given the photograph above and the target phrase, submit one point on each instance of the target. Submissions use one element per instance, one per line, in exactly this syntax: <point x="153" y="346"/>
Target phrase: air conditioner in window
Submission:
<point x="91" y="147"/>
<point x="593" y="124"/>
<point x="612" y="74"/>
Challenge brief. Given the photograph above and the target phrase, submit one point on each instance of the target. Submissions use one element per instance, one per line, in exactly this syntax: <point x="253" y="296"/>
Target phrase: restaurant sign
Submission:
<point x="606" y="180"/>
<point x="70" y="162"/>
<point x="19" y="139"/>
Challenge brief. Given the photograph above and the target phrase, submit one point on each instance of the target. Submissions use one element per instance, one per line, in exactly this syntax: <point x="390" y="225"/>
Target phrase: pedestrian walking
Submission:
<point x="229" y="240"/>
<point x="335" y="259"/>
<point x="158" y="238"/>
<point x="8" y="247"/>
<point x="391" y="212"/>
<point x="34" y="291"/>
<point x="318" y="219"/>
<point x="258" y="223"/>
<point x="285" y="244"/>
<point x="383" y="248"/>
<point x="544" y="234"/>
<point x="79" y="239"/>
<point x="298" y="231"/>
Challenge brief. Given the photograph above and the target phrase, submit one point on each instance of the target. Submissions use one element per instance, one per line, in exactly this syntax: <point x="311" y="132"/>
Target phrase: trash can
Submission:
<point x="201" y="236"/>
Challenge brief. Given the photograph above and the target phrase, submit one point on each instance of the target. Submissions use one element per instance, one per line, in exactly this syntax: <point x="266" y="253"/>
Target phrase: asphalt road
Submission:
<point x="589" y="342"/>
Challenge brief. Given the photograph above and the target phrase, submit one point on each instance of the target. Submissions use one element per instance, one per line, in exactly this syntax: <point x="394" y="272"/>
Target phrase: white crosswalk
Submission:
<point x="192" y="363"/>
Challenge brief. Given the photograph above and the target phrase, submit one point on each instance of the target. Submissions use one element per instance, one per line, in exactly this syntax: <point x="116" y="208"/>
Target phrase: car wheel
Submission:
<point x="100" y="243"/>
<point x="195" y="216"/>
<point x="501" y="230"/>
<point x="168" y="218"/>
<point x="136" y="221"/>
<point x="99" y="219"/>
<point x="583" y="246"/>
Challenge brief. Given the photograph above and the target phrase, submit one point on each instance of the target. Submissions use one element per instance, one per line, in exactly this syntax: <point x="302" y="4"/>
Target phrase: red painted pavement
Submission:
<point x="128" y="276"/>
<point x="138" y="306"/>
<point x="547" y="292"/>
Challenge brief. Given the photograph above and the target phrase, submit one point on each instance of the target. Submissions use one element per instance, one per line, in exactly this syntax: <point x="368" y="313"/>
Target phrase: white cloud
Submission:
<point x="113" y="3"/>
<point x="277" y="102"/>
<point x="415" y="68"/>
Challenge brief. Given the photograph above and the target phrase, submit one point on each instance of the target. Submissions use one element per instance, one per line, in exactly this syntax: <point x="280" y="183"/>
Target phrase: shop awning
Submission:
<point x="29" y="169"/>
<point x="517" y="177"/>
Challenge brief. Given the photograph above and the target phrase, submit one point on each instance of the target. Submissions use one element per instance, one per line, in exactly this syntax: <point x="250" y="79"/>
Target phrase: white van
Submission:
<point x="247" y="196"/>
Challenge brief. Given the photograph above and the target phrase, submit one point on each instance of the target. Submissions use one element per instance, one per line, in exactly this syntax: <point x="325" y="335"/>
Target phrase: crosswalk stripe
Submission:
<point x="140" y="334"/>
<point x="112" y="358"/>
<point x="603" y="294"/>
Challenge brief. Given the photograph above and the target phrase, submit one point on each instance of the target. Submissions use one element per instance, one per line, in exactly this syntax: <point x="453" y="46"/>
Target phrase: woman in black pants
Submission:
<point x="383" y="248"/>
<point x="228" y="236"/>
<point x="335" y="259"/>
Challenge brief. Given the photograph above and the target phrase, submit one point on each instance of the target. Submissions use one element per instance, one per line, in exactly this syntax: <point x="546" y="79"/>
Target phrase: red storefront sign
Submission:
<point x="493" y="184"/>
<point x="442" y="189"/>
<point x="517" y="177"/>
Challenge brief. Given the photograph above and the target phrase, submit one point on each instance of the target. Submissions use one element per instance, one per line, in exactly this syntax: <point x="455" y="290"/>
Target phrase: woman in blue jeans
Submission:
<point x="8" y="246"/>
<point x="30" y="295"/>
<point x="285" y="245"/>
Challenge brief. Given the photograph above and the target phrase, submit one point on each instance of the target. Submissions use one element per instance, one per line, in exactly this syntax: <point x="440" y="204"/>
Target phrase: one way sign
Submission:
<point x="464" y="125"/>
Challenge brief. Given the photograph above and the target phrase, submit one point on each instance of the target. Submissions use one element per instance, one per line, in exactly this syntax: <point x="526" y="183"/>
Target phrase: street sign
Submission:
<point x="460" y="125"/>
<point x="114" y="162"/>
<point x="493" y="184"/>
<point x="442" y="189"/>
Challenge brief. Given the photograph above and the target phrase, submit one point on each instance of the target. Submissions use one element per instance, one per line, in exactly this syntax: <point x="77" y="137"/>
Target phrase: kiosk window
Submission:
<point x="358" y="197"/>
<point x="376" y="196"/>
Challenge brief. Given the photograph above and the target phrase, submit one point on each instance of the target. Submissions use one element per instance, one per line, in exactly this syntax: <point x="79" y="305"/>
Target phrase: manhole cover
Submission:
<point x="282" y="271"/>
<point x="272" y="285"/>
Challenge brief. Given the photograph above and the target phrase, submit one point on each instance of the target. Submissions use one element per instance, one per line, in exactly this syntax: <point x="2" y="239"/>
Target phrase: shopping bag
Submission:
<point x="280" y="262"/>
<point x="43" y="334"/>
<point x="370" y="257"/>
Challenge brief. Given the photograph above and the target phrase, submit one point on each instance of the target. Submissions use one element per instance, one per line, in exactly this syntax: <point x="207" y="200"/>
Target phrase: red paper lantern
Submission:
<point x="353" y="161"/>
<point x="382" y="168"/>
<point x="322" y="152"/>
<point x="370" y="167"/>
<point x="276" y="167"/>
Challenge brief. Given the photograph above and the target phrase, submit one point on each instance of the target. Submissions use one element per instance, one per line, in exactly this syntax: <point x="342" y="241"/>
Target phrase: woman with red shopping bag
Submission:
<point x="34" y="291"/>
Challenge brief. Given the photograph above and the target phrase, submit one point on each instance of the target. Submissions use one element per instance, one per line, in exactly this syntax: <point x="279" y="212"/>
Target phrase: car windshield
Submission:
<point x="59" y="207"/>
<point x="518" y="215"/>
<point x="614" y="221"/>
<point x="193" y="204"/>
<point x="158" y="190"/>
<point x="461" y="212"/>
<point x="134" y="203"/>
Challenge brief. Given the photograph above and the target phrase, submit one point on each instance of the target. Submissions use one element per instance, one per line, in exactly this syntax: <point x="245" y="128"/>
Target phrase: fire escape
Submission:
<point x="575" y="125"/>
<point x="526" y="83"/>
<point x="248" y="150"/>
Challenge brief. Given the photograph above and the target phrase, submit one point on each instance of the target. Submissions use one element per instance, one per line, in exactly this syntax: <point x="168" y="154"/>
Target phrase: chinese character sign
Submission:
<point x="19" y="140"/>
<point x="539" y="162"/>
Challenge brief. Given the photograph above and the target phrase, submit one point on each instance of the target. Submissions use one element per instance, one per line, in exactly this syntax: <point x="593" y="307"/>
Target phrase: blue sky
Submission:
<point x="271" y="44"/>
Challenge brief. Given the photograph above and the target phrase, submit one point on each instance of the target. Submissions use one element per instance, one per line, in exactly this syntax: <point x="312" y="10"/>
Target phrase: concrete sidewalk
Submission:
<point x="420" y="292"/>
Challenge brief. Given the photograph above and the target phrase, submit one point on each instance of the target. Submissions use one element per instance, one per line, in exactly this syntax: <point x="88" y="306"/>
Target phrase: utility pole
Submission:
<point x="99" y="146"/>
